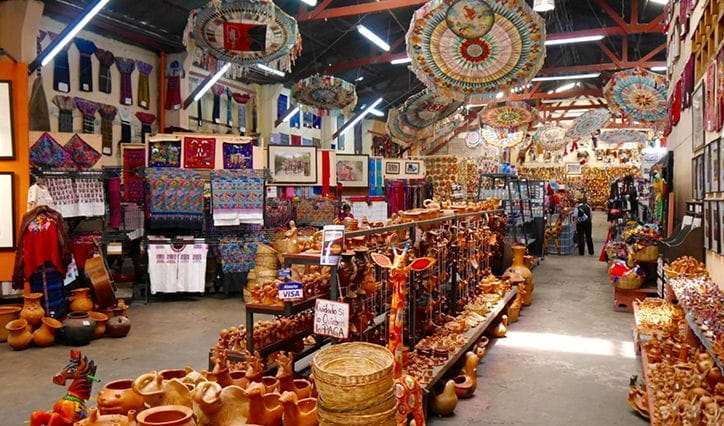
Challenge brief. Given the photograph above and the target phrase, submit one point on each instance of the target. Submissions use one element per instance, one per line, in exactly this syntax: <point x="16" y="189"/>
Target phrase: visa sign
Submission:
<point x="291" y="290"/>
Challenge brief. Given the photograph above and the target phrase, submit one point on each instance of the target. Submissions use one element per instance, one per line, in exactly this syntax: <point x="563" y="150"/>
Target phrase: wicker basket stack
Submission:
<point x="266" y="268"/>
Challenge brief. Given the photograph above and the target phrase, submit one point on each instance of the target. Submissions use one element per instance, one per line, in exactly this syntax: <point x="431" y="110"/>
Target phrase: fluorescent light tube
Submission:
<point x="72" y="33"/>
<point x="574" y="40"/>
<point x="565" y="87"/>
<point x="359" y="118"/>
<point x="499" y="95"/>
<point x="663" y="2"/>
<point x="567" y="77"/>
<point x="270" y="70"/>
<point x="209" y="84"/>
<point x="401" y="61"/>
<point x="309" y="2"/>
<point x="544" y="5"/>
<point x="377" y="112"/>
<point x="374" y="38"/>
<point x="658" y="69"/>
<point x="290" y="114"/>
<point x="360" y="78"/>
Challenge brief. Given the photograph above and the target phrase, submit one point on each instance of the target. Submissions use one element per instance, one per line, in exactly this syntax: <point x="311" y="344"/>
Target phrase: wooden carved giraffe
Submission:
<point x="555" y="233"/>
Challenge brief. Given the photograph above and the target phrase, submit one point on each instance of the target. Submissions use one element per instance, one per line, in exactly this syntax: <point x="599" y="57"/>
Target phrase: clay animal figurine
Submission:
<point x="409" y="400"/>
<point x="156" y="391"/>
<point x="214" y="405"/>
<point x="299" y="412"/>
<point x="71" y="408"/>
<point x="301" y="387"/>
<point x="500" y="330"/>
<point x="467" y="381"/>
<point x="263" y="409"/>
<point x="443" y="404"/>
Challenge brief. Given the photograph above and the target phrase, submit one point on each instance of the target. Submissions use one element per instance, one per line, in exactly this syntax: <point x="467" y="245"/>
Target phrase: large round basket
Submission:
<point x="354" y="379"/>
<point x="382" y="418"/>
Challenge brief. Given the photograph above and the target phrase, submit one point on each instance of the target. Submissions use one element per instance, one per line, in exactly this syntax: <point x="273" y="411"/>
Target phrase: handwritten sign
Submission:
<point x="291" y="291"/>
<point x="331" y="319"/>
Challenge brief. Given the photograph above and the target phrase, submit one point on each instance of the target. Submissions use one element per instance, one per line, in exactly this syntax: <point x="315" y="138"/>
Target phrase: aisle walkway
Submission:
<point x="566" y="362"/>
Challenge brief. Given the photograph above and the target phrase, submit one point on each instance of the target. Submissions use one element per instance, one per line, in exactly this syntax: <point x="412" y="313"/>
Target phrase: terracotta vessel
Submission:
<point x="271" y="384"/>
<point x="481" y="347"/>
<point x="443" y="404"/>
<point x="264" y="409"/>
<point x="157" y="392"/>
<point x="19" y="336"/>
<point x="78" y="329"/>
<point x="118" y="397"/>
<point x="173" y="373"/>
<point x="299" y="412"/>
<point x="519" y="267"/>
<point x="118" y="325"/>
<point x="467" y="381"/>
<point x="45" y="334"/>
<point x="32" y="311"/>
<point x="80" y="301"/>
<point x="101" y="320"/>
<point x="347" y="270"/>
<point x="501" y="329"/>
<point x="96" y="419"/>
<point x="167" y="415"/>
<point x="7" y="314"/>
<point x="216" y="406"/>
<point x="360" y="263"/>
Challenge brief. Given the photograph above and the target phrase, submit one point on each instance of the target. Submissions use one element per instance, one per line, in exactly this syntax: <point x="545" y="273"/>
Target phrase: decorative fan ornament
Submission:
<point x="446" y="128"/>
<point x="325" y="94"/>
<point x="398" y="131"/>
<point x="426" y="108"/>
<point x="511" y="115"/>
<point x="507" y="55"/>
<point x="639" y="94"/>
<point x="473" y="139"/>
<point x="551" y="137"/>
<point x="245" y="33"/>
<point x="616" y="137"/>
<point x="588" y="123"/>
<point x="470" y="18"/>
<point x="503" y="137"/>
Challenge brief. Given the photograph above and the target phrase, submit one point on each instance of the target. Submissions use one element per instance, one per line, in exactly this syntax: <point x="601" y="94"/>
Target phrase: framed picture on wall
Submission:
<point x="715" y="227"/>
<point x="412" y="167"/>
<point x="702" y="175"/>
<point x="721" y="227"/>
<point x="573" y="169"/>
<point x="697" y="119"/>
<point x="7" y="211"/>
<point x="695" y="189"/>
<point x="7" y="143"/>
<point x="707" y="169"/>
<point x="716" y="184"/>
<point x="293" y="164"/>
<point x="707" y="224"/>
<point x="392" y="167"/>
<point x="353" y="170"/>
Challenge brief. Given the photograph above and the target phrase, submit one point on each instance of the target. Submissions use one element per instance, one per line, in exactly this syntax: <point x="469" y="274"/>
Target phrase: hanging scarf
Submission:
<point x="125" y="67"/>
<point x="146" y="120"/>
<point x="88" y="109"/>
<point x="216" y="114"/>
<point x="229" y="100"/>
<point x="241" y="100"/>
<point x="174" y="73"/>
<point x="199" y="114"/>
<point x="108" y="114"/>
<point x="83" y="155"/>
<point x="61" y="69"/>
<point x="126" y="114"/>
<point x="65" y="106"/>
<point x="86" y="49"/>
<point x="105" y="60"/>
<point x="144" y="95"/>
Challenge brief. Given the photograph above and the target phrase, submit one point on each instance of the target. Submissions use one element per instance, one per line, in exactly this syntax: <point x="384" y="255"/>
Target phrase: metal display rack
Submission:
<point x="513" y="191"/>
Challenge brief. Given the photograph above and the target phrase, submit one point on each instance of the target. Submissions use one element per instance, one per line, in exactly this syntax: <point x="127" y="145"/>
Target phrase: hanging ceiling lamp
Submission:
<point x="544" y="5"/>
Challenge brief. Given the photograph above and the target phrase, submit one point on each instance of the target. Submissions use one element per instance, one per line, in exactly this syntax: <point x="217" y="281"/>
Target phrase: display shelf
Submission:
<point x="288" y="308"/>
<point x="276" y="346"/>
<point x="649" y="390"/>
<point x="694" y="326"/>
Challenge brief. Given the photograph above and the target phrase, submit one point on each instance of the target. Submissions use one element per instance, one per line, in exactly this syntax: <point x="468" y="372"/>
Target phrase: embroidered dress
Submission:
<point x="86" y="49"/>
<point x="175" y="198"/>
<point x="174" y="73"/>
<point x="237" y="197"/>
<point x="126" y="130"/>
<point x="88" y="109"/>
<point x="108" y="114"/>
<point x="126" y="67"/>
<point x="144" y="95"/>
<point x="134" y="160"/>
<point x="238" y="155"/>
<point x="66" y="105"/>
<point x="146" y="120"/>
<point x="105" y="60"/>
<point x="46" y="152"/>
<point x="83" y="155"/>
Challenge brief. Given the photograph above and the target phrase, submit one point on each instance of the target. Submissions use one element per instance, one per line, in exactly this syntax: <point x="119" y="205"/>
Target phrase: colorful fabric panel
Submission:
<point x="126" y="67"/>
<point x="84" y="155"/>
<point x="238" y="155"/>
<point x="105" y="60"/>
<point x="134" y="160"/>
<point x="175" y="198"/>
<point x="237" y="197"/>
<point x="144" y="93"/>
<point x="164" y="154"/>
<point x="65" y="105"/>
<point x="86" y="49"/>
<point x="317" y="211"/>
<point x="238" y="253"/>
<point x="199" y="153"/>
<point x="46" y="152"/>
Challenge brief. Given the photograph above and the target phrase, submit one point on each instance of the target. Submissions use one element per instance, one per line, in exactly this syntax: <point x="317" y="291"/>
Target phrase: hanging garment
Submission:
<point x="86" y="49"/>
<point x="241" y="100"/>
<point x="114" y="202"/>
<point x="38" y="195"/>
<point x="126" y="114"/>
<point x="175" y="198"/>
<point x="237" y="197"/>
<point x="217" y="90"/>
<point x="38" y="108"/>
<point x="88" y="109"/>
<point x="61" y="71"/>
<point x="134" y="160"/>
<point x="229" y="102"/>
<point x="146" y="120"/>
<point x="199" y="114"/>
<point x="46" y="152"/>
<point x="125" y="67"/>
<point x="144" y="93"/>
<point x="108" y="114"/>
<point x="77" y="197"/>
<point x="84" y="246"/>
<point x="278" y="212"/>
<point x="174" y="73"/>
<point x="65" y="105"/>
<point x="83" y="155"/>
<point x="105" y="60"/>
<point x="172" y="269"/>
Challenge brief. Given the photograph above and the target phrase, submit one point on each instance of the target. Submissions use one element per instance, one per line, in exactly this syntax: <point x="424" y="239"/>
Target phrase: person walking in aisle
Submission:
<point x="584" y="225"/>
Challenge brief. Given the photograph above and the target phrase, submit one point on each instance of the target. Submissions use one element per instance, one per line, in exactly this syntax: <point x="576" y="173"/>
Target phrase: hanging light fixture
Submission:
<point x="544" y="5"/>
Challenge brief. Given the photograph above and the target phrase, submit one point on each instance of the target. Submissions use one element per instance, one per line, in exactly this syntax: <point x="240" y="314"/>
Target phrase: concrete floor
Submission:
<point x="566" y="362"/>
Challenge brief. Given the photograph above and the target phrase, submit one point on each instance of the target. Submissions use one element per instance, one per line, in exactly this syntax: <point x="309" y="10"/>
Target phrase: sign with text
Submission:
<point x="331" y="319"/>
<point x="332" y="244"/>
<point x="291" y="291"/>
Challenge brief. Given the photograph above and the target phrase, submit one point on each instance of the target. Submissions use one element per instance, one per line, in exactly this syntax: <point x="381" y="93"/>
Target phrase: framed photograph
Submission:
<point x="7" y="211"/>
<point x="7" y="143"/>
<point x="715" y="227"/>
<point x="412" y="167"/>
<point x="293" y="164"/>
<point x="392" y="168"/>
<point x="707" y="224"/>
<point x="721" y="227"/>
<point x="716" y="184"/>
<point x="695" y="189"/>
<point x="697" y="119"/>
<point x="353" y="170"/>
<point x="573" y="169"/>
<point x="702" y="176"/>
<point x="707" y="170"/>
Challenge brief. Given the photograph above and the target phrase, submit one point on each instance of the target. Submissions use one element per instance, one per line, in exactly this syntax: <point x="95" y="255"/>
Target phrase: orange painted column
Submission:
<point x="17" y="74"/>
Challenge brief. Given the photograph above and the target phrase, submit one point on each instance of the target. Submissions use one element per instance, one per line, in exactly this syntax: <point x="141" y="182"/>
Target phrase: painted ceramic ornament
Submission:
<point x="470" y="18"/>
<point x="588" y="123"/>
<point x="325" y="94"/>
<point x="639" y="94"/>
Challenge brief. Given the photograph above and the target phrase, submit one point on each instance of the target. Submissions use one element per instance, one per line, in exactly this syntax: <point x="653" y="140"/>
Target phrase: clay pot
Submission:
<point x="167" y="415"/>
<point x="95" y="419"/>
<point x="271" y="384"/>
<point x="19" y="336"/>
<point x="173" y="373"/>
<point x="7" y="314"/>
<point x="80" y="301"/>
<point x="78" y="329"/>
<point x="519" y="267"/>
<point x="45" y="334"/>
<point x="119" y="325"/>
<point x="101" y="320"/>
<point x="347" y="270"/>
<point x="118" y="397"/>
<point x="32" y="311"/>
<point x="360" y="263"/>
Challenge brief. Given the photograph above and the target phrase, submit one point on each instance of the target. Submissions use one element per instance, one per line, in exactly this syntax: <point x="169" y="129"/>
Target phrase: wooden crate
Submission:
<point x="623" y="298"/>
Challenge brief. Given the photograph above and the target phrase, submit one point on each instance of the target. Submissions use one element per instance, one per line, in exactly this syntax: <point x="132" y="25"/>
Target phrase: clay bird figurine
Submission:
<point x="214" y="405"/>
<point x="263" y="409"/>
<point x="467" y="381"/>
<point x="501" y="329"/>
<point x="443" y="404"/>
<point x="299" y="412"/>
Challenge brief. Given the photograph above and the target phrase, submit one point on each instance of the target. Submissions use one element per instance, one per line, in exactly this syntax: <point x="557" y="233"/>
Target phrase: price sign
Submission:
<point x="291" y="291"/>
<point x="284" y="273"/>
<point x="332" y="243"/>
<point x="331" y="319"/>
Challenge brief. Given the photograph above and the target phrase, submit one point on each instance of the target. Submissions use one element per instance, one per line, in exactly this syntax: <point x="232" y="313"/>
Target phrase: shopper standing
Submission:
<point x="584" y="226"/>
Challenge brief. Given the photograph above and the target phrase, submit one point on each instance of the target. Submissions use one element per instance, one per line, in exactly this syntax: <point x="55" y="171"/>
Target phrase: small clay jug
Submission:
<point x="347" y="269"/>
<point x="80" y="301"/>
<point x="32" y="311"/>
<point x="101" y="320"/>
<point x="45" y="334"/>
<point x="19" y="336"/>
<point x="519" y="267"/>
<point x="118" y="325"/>
<point x="118" y="397"/>
<point x="7" y="314"/>
<point x="167" y="415"/>
<point x="360" y="263"/>
<point x="95" y="419"/>
<point x="78" y="329"/>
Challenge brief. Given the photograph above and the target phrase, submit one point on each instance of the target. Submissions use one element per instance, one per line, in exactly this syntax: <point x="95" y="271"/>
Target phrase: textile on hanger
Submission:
<point x="144" y="93"/>
<point x="174" y="73"/>
<point x="217" y="90"/>
<point x="66" y="105"/>
<point x="134" y="160"/>
<point x="146" y="120"/>
<point x="38" y="195"/>
<point x="237" y="197"/>
<point x="46" y="152"/>
<point x="175" y="199"/>
<point x="126" y="115"/>
<point x="199" y="153"/>
<point x="229" y="102"/>
<point x="241" y="100"/>
<point x="61" y="69"/>
<point x="105" y="60"/>
<point x="77" y="197"/>
<point x="39" y="114"/>
<point x="174" y="269"/>
<point x="88" y="109"/>
<point x="108" y="114"/>
<point x="83" y="155"/>
<point x="86" y="49"/>
<point x="126" y="67"/>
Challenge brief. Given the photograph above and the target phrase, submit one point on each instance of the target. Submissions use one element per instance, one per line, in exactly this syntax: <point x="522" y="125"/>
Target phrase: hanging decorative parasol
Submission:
<point x="509" y="54"/>
<point x="588" y="123"/>
<point x="470" y="18"/>
<point x="245" y="33"/>
<point x="510" y="115"/>
<point x="551" y="137"/>
<point x="616" y="137"/>
<point x="503" y="137"/>
<point x="446" y="128"/>
<point x="473" y="139"/>
<point x="426" y="108"/>
<point x="325" y="94"/>
<point x="397" y="130"/>
<point x="637" y="93"/>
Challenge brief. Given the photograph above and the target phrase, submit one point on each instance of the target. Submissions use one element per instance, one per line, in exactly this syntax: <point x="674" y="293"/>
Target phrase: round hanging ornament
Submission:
<point x="588" y="123"/>
<point x="325" y="94"/>
<point x="639" y="94"/>
<point x="510" y="115"/>
<point x="426" y="108"/>
<point x="551" y="137"/>
<point x="503" y="137"/>
<point x="618" y="137"/>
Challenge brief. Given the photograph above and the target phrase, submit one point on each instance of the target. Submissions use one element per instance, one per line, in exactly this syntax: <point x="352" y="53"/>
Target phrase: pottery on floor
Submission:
<point x="166" y="415"/>
<point x="96" y="419"/>
<point x="444" y="403"/>
<point x="7" y="314"/>
<point x="78" y="329"/>
<point x="101" y="320"/>
<point x="519" y="267"/>
<point x="45" y="334"/>
<point x="118" y="325"/>
<point x="19" y="335"/>
<point x="32" y="311"/>
<point x="80" y="301"/>
<point x="118" y="397"/>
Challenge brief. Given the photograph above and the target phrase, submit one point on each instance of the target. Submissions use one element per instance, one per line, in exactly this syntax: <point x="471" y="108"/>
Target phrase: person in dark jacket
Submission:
<point x="584" y="225"/>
